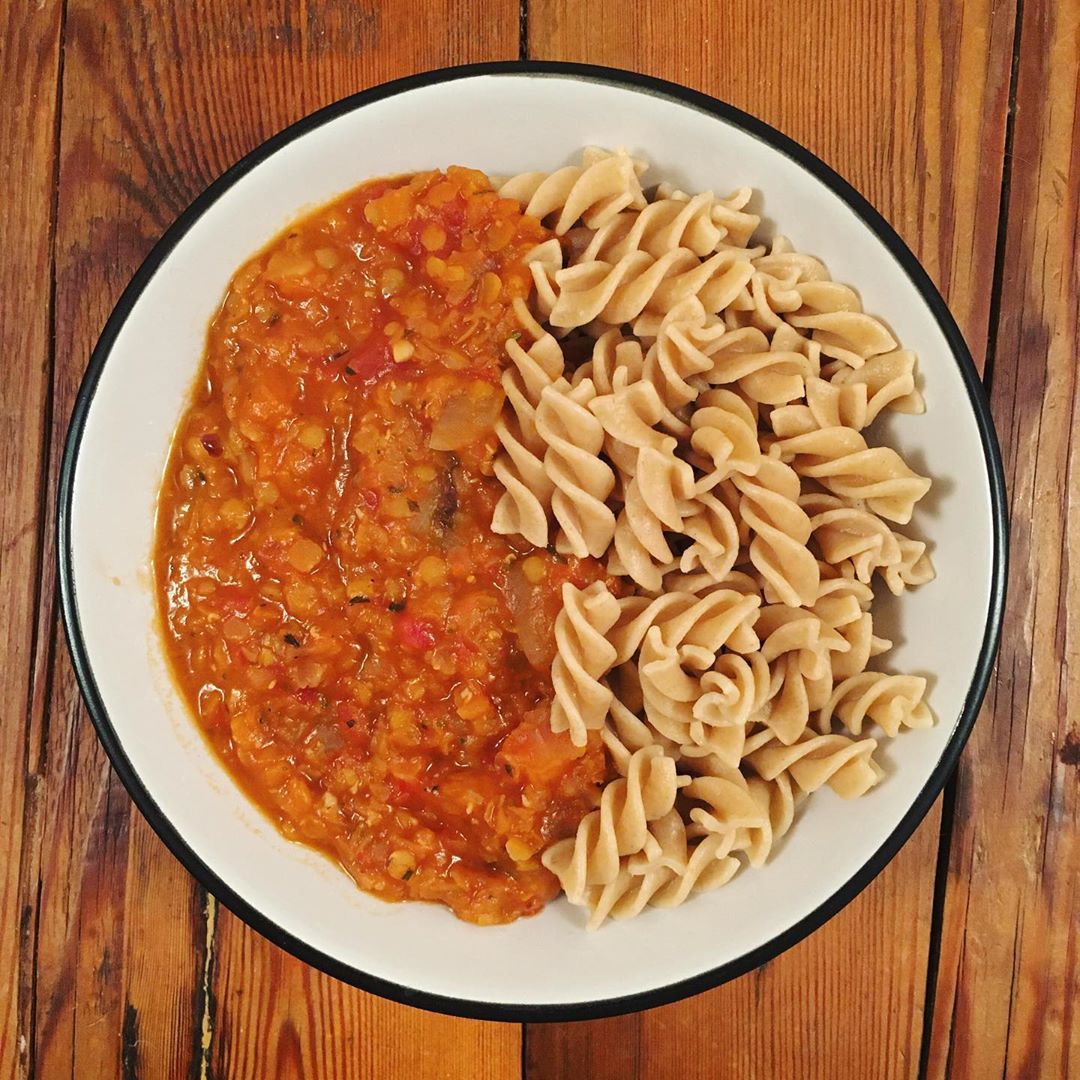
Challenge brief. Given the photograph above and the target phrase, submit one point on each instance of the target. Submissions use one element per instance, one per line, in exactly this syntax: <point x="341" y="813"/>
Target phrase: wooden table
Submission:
<point x="959" y="120"/>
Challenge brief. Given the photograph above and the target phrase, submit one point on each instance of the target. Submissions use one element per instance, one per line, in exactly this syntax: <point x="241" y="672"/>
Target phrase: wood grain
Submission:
<point x="908" y="101"/>
<point x="113" y="963"/>
<point x="1008" y="988"/>
<point x="128" y="979"/>
<point x="307" y="1025"/>
<point x="844" y="1003"/>
<point x="30" y="59"/>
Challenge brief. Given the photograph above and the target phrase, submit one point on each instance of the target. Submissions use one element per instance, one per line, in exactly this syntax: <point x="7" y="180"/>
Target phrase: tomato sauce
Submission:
<point x="369" y="659"/>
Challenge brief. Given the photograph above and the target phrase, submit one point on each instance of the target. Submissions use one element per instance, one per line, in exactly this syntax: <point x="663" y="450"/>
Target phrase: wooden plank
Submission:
<point x="30" y="58"/>
<point x="844" y="1004"/>
<point x="288" y="1021"/>
<point x="129" y="980"/>
<point x="1008" y="988"/>
<point x="908" y="101"/>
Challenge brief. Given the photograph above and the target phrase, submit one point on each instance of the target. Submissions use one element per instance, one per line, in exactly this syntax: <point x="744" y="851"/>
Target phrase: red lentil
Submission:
<point x="368" y="658"/>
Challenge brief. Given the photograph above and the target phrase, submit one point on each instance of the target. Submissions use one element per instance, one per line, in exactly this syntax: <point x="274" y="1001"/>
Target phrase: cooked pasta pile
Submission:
<point x="709" y="443"/>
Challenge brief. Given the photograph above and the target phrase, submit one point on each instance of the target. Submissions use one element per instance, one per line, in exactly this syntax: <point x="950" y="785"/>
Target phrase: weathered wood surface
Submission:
<point x="30" y="59"/>
<point x="908" y="101"/>
<point x="113" y="963"/>
<point x="124" y="972"/>
<point x="1007" y="999"/>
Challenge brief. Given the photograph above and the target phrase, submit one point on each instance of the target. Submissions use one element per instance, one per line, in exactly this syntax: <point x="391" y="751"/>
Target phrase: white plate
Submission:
<point x="504" y="118"/>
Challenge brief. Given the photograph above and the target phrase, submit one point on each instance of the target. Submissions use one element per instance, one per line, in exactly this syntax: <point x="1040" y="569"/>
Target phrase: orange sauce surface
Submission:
<point x="369" y="659"/>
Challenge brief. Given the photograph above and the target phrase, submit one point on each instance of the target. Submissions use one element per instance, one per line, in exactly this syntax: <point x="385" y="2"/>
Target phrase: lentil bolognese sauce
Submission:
<point x="368" y="658"/>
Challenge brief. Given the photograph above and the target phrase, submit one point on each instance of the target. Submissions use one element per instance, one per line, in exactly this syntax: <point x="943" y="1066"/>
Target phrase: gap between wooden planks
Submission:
<point x="908" y="101"/>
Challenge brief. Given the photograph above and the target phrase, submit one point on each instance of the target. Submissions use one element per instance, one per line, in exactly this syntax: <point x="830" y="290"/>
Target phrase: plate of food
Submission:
<point x="532" y="541"/>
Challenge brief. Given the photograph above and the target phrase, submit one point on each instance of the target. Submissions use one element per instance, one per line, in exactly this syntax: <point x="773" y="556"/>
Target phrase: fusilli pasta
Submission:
<point x="525" y="505"/>
<point x="713" y="446"/>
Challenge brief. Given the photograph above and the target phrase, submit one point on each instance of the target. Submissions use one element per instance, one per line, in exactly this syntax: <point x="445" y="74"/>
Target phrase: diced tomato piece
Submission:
<point x="369" y="362"/>
<point x="414" y="633"/>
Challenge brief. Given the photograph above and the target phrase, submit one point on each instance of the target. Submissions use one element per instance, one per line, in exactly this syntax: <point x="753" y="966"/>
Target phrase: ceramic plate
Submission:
<point x="505" y="118"/>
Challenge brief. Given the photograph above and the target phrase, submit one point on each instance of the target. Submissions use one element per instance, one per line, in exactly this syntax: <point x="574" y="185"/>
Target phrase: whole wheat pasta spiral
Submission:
<point x="642" y="551"/>
<point x="734" y="691"/>
<point x="625" y="730"/>
<point x="715" y="545"/>
<point x="629" y="415"/>
<point x="845" y="335"/>
<point x="728" y="807"/>
<point x="638" y="613"/>
<point x="783" y="629"/>
<point x="800" y="648"/>
<point x="520" y="468"/>
<point x="619" y="827"/>
<point x="614" y="358"/>
<point x="890" y="701"/>
<point x="706" y="865"/>
<point x="827" y="405"/>
<point x="593" y="192"/>
<point x="583" y="657"/>
<point x="764" y="301"/>
<point x="666" y="482"/>
<point x="768" y="372"/>
<point x="777" y="802"/>
<point x="721" y="617"/>
<point x="681" y="352"/>
<point x="679" y="647"/>
<point x="889" y="379"/>
<point x="581" y="481"/>
<point x="625" y="733"/>
<point x="725" y="744"/>
<point x="780" y="527"/>
<point x="619" y="292"/>
<point x="753" y="813"/>
<point x="664" y="873"/>
<point x="848" y="533"/>
<point x="728" y="213"/>
<point x="846" y="765"/>
<point x="544" y="262"/>
<point x="697" y="409"/>
<point x="617" y="365"/>
<point x="784" y="263"/>
<point x="662" y="226"/>
<point x="914" y="567"/>
<point x="841" y="461"/>
<point x="844" y="605"/>
<point x="668" y="689"/>
<point x="725" y="436"/>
